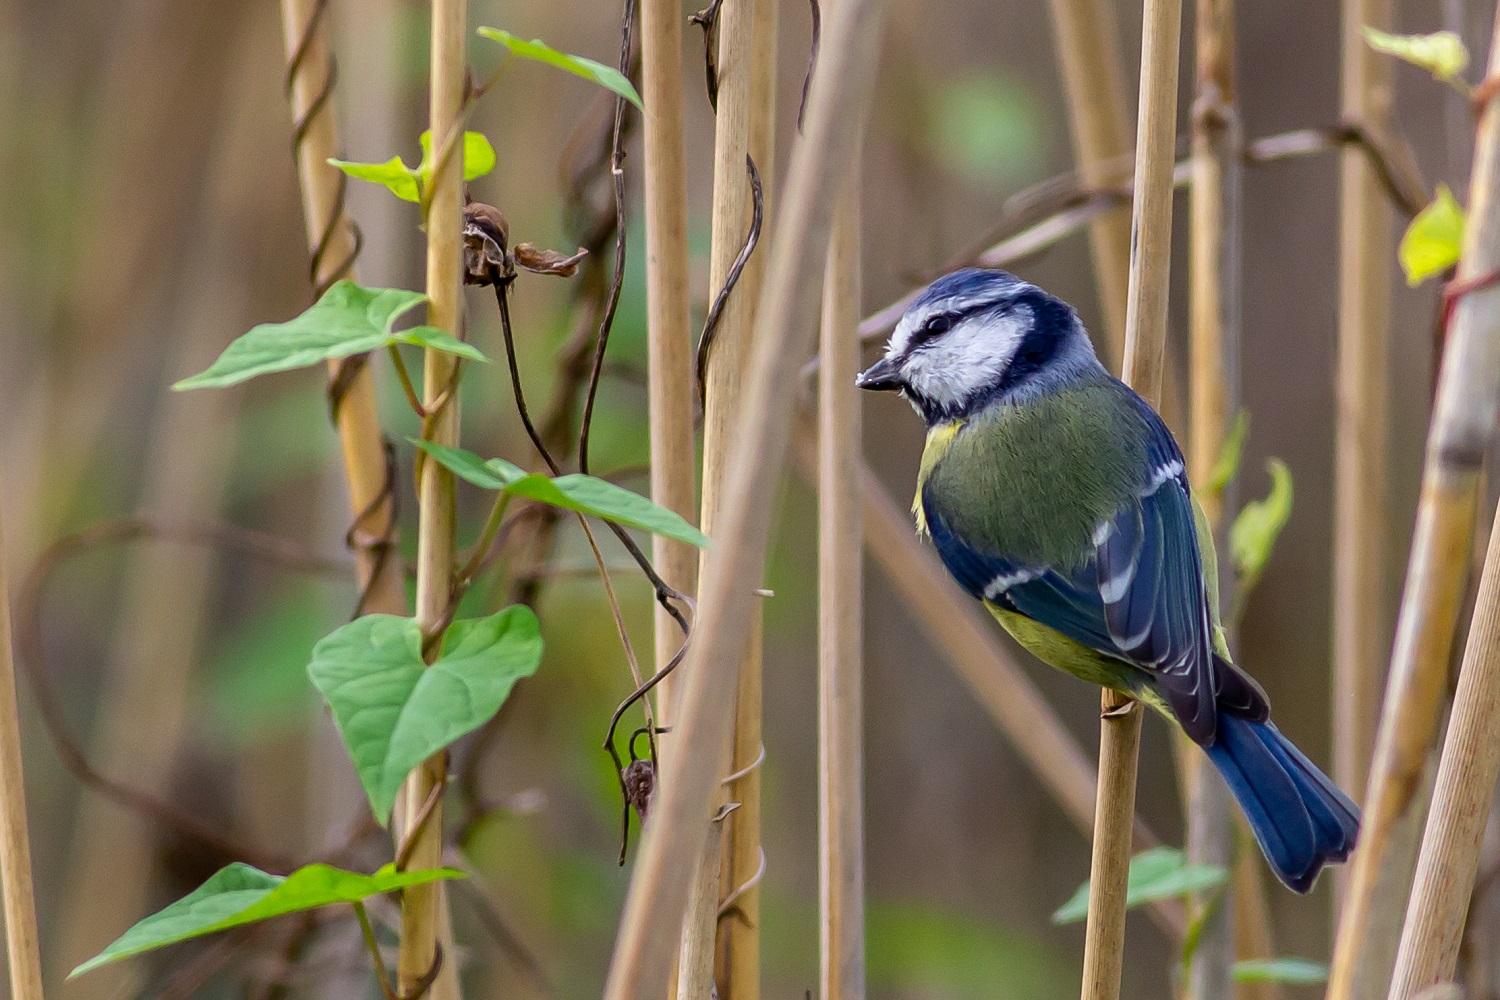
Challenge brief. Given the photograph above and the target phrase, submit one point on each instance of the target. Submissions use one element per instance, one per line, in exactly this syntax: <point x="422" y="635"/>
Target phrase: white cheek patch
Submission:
<point x="969" y="358"/>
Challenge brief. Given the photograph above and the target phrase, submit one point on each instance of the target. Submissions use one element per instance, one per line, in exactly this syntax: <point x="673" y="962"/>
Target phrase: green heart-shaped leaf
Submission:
<point x="406" y="182"/>
<point x="1160" y="873"/>
<point x="348" y="319"/>
<point x="585" y="494"/>
<point x="605" y="76"/>
<point x="240" y="894"/>
<point x="394" y="712"/>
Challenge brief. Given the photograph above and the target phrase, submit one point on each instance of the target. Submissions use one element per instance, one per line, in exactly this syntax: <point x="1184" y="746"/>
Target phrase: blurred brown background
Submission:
<point x="149" y="214"/>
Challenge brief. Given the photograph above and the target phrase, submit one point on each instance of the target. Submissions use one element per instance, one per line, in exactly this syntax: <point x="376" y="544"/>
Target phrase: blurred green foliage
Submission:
<point x="986" y="128"/>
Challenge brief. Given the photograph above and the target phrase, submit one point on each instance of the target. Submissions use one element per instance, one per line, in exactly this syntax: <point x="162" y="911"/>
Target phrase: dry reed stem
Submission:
<point x="22" y="950"/>
<point x="741" y="124"/>
<point x="669" y="340"/>
<point x="695" y="960"/>
<point x="841" y="837"/>
<point x="1145" y="339"/>
<point x="738" y="966"/>
<point x="1213" y="397"/>
<point x="420" y="916"/>
<point x="1456" y="821"/>
<point x="1460" y="434"/>
<point x="1361" y="529"/>
<point x="1088" y="47"/>
<point x="837" y="106"/>
<point x="357" y="418"/>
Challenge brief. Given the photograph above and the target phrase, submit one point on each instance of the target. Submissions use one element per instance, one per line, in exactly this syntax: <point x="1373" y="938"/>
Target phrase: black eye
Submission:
<point x="938" y="324"/>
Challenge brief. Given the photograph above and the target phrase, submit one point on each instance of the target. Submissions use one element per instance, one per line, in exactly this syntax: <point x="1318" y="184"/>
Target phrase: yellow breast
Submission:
<point x="939" y="440"/>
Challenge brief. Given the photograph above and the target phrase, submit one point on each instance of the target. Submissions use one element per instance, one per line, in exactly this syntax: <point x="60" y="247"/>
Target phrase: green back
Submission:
<point x="1032" y="482"/>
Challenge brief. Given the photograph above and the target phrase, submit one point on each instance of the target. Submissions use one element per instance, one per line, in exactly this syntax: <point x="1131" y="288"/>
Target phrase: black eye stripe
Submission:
<point x="935" y="325"/>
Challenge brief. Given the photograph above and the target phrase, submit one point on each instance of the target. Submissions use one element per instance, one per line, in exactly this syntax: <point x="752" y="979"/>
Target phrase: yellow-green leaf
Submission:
<point x="1253" y="536"/>
<point x="406" y="182"/>
<point x="1434" y="238"/>
<point x="1231" y="449"/>
<point x="605" y="76"/>
<point x="1441" y="53"/>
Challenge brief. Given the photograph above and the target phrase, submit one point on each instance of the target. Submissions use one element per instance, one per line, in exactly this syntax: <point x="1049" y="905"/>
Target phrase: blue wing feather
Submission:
<point x="1137" y="596"/>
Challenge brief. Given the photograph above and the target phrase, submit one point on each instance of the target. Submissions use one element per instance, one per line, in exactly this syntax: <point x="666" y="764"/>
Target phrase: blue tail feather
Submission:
<point x="1300" y="818"/>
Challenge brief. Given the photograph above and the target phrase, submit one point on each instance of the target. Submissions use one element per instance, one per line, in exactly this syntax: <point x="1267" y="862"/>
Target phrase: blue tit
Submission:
<point x="1056" y="495"/>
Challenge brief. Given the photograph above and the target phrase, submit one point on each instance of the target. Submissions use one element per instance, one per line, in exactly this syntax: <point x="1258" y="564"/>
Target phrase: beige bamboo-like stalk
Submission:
<point x="695" y="959"/>
<point x="1459" y="437"/>
<point x="1361" y="529"/>
<point x="669" y="341"/>
<point x="737" y="971"/>
<point x="358" y="420"/>
<point x="22" y="950"/>
<point x="841" y="835"/>
<point x="723" y="383"/>
<point x="1088" y="47"/>
<point x="837" y="106"/>
<point x="1449" y="858"/>
<point x="1145" y="340"/>
<point x="421" y="906"/>
<point x="1213" y="389"/>
<point x="740" y="115"/>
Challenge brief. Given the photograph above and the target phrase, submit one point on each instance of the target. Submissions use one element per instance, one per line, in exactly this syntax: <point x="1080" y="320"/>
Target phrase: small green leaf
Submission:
<point x="605" y="76"/>
<point x="1160" y="873"/>
<point x="394" y="712"/>
<point x="239" y="895"/>
<point x="496" y="474"/>
<point x="393" y="173"/>
<point x="406" y="182"/>
<point x="585" y="494"/>
<point x="1252" y="538"/>
<point x="1442" y="53"/>
<point x="1433" y="240"/>
<point x="348" y="319"/>
<point x="1227" y="465"/>
<point x="479" y="156"/>
<point x="1293" y="971"/>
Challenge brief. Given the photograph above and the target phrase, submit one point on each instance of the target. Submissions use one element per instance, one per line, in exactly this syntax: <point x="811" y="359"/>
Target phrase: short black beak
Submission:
<point x="882" y="376"/>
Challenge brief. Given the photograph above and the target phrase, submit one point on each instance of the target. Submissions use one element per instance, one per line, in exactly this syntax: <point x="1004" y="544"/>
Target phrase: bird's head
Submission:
<point x="973" y="337"/>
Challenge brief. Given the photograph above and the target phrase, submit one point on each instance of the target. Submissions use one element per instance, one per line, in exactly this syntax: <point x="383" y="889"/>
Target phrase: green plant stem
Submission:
<point x="406" y="387"/>
<point x="381" y="972"/>
<point x="486" y="539"/>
